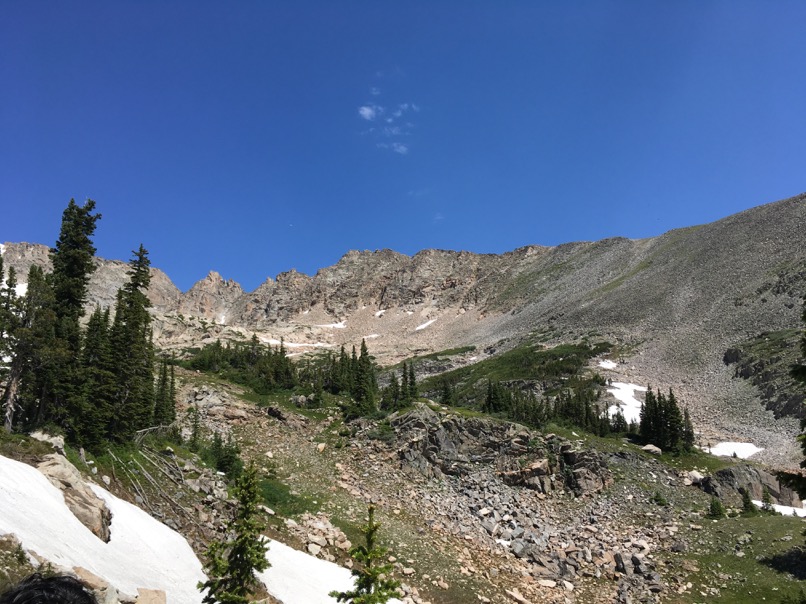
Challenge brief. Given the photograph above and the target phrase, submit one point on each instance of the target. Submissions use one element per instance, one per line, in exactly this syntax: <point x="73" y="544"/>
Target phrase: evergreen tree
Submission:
<point x="766" y="501"/>
<point x="674" y="422"/>
<point x="37" y="355"/>
<point x="748" y="507"/>
<point x="72" y="259"/>
<point x="404" y="381"/>
<point x="231" y="565"/>
<point x="716" y="509"/>
<point x="164" y="405"/>
<point x="365" y="386"/>
<point x="134" y="353"/>
<point x="372" y="582"/>
<point x="619" y="422"/>
<point x="647" y="427"/>
<point x="412" y="393"/>
<point x="447" y="395"/>
<point x="99" y="382"/>
<point x="392" y="399"/>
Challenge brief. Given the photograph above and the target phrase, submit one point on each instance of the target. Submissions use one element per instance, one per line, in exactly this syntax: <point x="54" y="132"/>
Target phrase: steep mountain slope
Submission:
<point x="673" y="304"/>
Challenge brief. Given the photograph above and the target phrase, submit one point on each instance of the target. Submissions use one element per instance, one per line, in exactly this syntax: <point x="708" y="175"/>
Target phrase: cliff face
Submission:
<point x="674" y="303"/>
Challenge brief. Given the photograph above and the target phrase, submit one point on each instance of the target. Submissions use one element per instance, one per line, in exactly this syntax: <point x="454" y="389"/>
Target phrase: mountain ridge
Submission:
<point x="672" y="304"/>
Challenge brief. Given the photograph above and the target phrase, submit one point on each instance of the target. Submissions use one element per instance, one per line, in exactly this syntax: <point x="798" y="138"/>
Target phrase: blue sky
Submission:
<point x="255" y="137"/>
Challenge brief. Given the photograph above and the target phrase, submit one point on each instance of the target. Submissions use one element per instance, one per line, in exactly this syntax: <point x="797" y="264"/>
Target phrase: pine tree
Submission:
<point x="716" y="509"/>
<point x="674" y="422"/>
<point x="748" y="507"/>
<point x="766" y="501"/>
<point x="231" y="565"/>
<point x="99" y="382"/>
<point x="72" y="259"/>
<point x="412" y="393"/>
<point x="133" y="403"/>
<point x="372" y="583"/>
<point x="36" y="357"/>
<point x="447" y="393"/>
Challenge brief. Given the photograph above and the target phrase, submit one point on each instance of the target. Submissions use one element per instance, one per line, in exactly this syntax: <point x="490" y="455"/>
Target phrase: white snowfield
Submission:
<point x="727" y="449"/>
<point x="142" y="552"/>
<point x="629" y="405"/>
<point x="607" y="364"/>
<point x="424" y="325"/>
<point x="294" y="577"/>
<point x="339" y="325"/>
<point x="786" y="510"/>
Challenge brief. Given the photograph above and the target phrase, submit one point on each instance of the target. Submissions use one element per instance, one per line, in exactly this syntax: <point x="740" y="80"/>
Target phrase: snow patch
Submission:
<point x="629" y="405"/>
<point x="142" y="552"/>
<point x="424" y="325"/>
<point x="727" y="449"/>
<point x="786" y="510"/>
<point x="2" y="249"/>
<point x="21" y="289"/>
<point x="295" y="577"/>
<point x="339" y="325"/>
<point x="608" y="364"/>
<point x="372" y="336"/>
<point x="380" y="313"/>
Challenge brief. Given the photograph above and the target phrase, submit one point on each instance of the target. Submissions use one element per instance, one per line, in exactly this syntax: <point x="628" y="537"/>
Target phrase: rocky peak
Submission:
<point x="211" y="298"/>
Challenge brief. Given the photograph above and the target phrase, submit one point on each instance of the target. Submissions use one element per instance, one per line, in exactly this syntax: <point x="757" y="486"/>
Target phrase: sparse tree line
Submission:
<point x="96" y="382"/>
<point x="266" y="370"/>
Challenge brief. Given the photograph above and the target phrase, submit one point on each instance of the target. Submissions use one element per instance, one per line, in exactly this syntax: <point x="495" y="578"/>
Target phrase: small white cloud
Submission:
<point x="415" y="107"/>
<point x="396" y="147"/>
<point x="439" y="217"/>
<point x="374" y="91"/>
<point x="367" y="112"/>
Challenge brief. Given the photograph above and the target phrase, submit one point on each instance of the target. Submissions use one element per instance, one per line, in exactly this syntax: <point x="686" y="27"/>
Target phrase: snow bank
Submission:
<point x="295" y="577"/>
<point x="339" y="325"/>
<point x="607" y="364"/>
<point x="380" y="313"/>
<point x="424" y="325"/>
<point x="727" y="449"/>
<point x="142" y="552"/>
<point x="786" y="510"/>
<point x="629" y="405"/>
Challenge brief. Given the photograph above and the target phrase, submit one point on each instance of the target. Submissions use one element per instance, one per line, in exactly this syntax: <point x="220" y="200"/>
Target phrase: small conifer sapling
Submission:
<point x="373" y="584"/>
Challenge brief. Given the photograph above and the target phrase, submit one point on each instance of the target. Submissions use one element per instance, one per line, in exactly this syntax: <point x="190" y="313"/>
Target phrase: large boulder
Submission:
<point x="85" y="505"/>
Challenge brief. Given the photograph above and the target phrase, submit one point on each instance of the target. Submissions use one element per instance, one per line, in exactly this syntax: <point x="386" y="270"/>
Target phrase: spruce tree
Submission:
<point x="134" y="353"/>
<point x="231" y="564"/>
<point x="99" y="382"/>
<point x="372" y="582"/>
<point x="412" y="393"/>
<point x="37" y="355"/>
<point x="72" y="259"/>
<point x="673" y="421"/>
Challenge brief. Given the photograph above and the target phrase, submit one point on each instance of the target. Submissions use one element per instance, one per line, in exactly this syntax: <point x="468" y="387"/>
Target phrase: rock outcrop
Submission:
<point x="729" y="483"/>
<point x="435" y="445"/>
<point x="90" y="509"/>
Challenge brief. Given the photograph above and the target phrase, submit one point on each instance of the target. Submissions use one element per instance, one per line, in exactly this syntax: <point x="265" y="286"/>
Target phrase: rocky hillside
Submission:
<point x="673" y="304"/>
